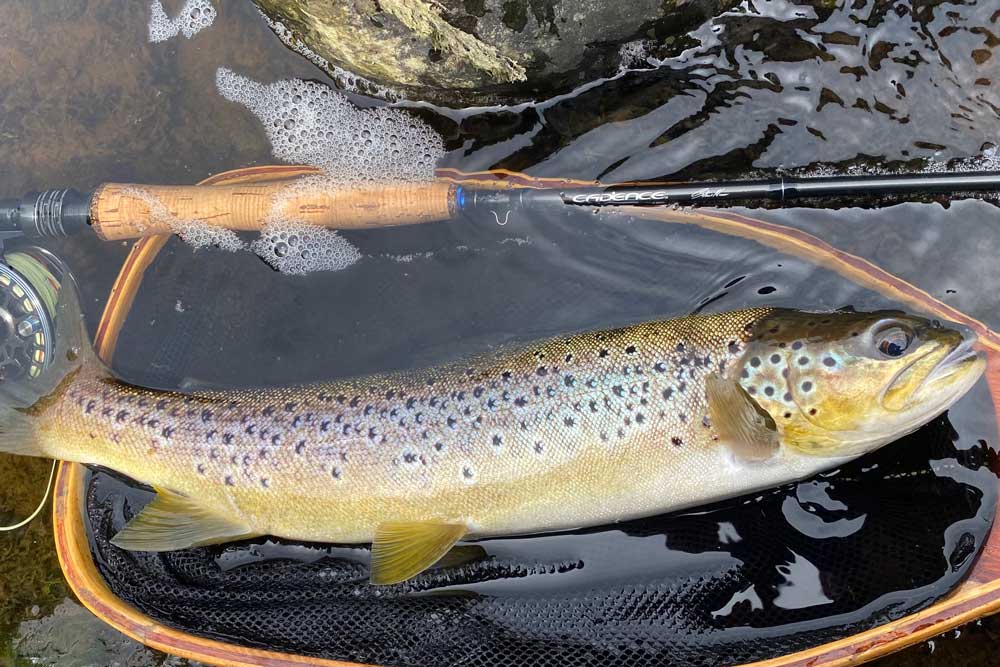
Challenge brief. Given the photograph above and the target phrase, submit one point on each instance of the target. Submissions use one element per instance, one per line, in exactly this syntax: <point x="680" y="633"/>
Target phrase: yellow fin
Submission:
<point x="402" y="550"/>
<point x="172" y="521"/>
<point x="743" y="426"/>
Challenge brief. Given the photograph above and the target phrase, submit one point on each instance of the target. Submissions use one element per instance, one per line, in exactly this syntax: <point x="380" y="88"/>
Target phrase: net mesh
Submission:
<point x="743" y="580"/>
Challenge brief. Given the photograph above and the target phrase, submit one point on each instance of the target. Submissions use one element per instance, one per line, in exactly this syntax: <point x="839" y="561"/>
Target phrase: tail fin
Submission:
<point x="22" y="401"/>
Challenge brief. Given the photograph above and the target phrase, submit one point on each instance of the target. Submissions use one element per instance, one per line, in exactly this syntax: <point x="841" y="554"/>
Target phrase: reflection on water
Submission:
<point x="780" y="85"/>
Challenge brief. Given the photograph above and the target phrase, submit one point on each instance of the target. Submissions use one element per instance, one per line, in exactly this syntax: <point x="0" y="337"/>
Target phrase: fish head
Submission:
<point x="844" y="383"/>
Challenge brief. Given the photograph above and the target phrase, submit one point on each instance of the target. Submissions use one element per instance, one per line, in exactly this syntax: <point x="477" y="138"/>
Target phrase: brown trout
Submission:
<point x="580" y="430"/>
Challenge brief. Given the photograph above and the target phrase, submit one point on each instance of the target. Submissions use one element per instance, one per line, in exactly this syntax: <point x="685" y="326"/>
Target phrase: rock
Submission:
<point x="475" y="52"/>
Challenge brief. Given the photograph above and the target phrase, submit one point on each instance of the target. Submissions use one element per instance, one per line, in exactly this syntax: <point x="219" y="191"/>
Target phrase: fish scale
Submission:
<point x="488" y="442"/>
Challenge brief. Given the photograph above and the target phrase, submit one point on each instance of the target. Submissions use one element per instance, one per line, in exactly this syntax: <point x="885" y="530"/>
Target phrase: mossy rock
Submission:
<point x="474" y="52"/>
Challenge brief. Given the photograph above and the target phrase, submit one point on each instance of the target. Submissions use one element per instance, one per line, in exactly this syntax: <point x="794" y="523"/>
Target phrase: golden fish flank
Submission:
<point x="580" y="430"/>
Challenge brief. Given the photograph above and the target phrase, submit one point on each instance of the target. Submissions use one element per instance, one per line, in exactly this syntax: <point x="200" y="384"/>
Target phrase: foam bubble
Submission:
<point x="195" y="16"/>
<point x="194" y="232"/>
<point x="309" y="123"/>
<point x="296" y="248"/>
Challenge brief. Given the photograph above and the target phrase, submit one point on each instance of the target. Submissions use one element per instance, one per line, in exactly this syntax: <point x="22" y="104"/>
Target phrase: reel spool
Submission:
<point x="30" y="280"/>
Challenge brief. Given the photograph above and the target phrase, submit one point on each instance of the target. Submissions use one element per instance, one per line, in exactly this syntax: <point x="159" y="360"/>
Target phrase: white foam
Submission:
<point x="296" y="248"/>
<point x="194" y="232"/>
<point x="195" y="16"/>
<point x="309" y="123"/>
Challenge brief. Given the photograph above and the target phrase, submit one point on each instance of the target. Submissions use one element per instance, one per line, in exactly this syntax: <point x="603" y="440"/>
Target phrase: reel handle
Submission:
<point x="124" y="211"/>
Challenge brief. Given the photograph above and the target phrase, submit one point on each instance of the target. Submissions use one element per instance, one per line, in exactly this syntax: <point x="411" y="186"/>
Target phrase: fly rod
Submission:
<point x="118" y="211"/>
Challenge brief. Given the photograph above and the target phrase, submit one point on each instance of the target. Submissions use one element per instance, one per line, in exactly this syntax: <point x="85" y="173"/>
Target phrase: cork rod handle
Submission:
<point x="124" y="211"/>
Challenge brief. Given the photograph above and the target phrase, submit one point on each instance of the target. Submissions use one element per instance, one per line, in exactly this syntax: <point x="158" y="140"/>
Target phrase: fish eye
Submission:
<point x="893" y="341"/>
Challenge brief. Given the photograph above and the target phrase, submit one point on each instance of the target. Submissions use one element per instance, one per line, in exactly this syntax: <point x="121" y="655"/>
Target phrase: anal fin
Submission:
<point x="402" y="550"/>
<point x="743" y="426"/>
<point x="172" y="521"/>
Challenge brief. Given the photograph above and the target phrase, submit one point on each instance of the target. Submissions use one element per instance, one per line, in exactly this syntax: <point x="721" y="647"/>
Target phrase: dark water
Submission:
<point x="84" y="99"/>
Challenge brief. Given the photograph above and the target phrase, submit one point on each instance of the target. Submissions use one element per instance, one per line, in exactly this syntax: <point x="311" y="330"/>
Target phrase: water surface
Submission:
<point x="85" y="98"/>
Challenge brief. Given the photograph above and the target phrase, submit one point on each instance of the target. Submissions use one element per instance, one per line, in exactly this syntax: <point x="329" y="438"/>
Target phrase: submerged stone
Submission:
<point x="474" y="52"/>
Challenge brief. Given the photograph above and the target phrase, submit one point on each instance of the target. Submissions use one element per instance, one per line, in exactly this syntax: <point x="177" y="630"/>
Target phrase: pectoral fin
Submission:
<point x="172" y="521"/>
<point x="405" y="549"/>
<point x="743" y="426"/>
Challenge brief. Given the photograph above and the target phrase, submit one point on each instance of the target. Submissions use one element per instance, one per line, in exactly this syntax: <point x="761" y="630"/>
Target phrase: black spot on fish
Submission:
<point x="639" y="418"/>
<point x="569" y="380"/>
<point x="229" y="480"/>
<point x="803" y="361"/>
<point x="265" y="482"/>
<point x="744" y="374"/>
<point x="210" y="435"/>
<point x="568" y="358"/>
<point x="775" y="358"/>
<point x="336" y="472"/>
<point x="797" y="345"/>
<point x="787" y="397"/>
<point x="213" y="453"/>
<point x="167" y="432"/>
<point x="569" y="422"/>
<point x="200" y="468"/>
<point x="812" y="411"/>
<point x="162" y="404"/>
<point x="497" y="441"/>
<point x="755" y="362"/>
<point x="769" y="390"/>
<point x="452" y="422"/>
<point x="227" y="438"/>
<point x="667" y="393"/>
<point x="324" y="426"/>
<point x="275" y="439"/>
<point x="751" y="390"/>
<point x="300" y="447"/>
<point x="830" y="362"/>
<point x="734" y="347"/>
<point x="603" y="353"/>
<point x="251" y="429"/>
<point x="106" y="412"/>
<point x="439" y="446"/>
<point x="676" y="442"/>
<point x="90" y="406"/>
<point x="788" y="415"/>
<point x="807" y="386"/>
<point x="682" y="387"/>
<point x="542" y="371"/>
<point x="784" y="372"/>
<point x="630" y="349"/>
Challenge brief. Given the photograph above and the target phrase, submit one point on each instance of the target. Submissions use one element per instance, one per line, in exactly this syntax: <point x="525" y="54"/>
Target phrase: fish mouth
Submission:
<point x="963" y="353"/>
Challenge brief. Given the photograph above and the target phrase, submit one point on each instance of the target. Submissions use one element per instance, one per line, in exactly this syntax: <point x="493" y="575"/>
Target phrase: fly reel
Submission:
<point x="30" y="280"/>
